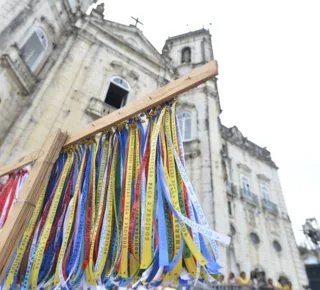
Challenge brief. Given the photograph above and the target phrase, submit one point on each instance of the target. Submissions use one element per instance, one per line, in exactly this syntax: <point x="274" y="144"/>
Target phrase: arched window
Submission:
<point x="118" y="92"/>
<point x="184" y="120"/>
<point x="34" y="48"/>
<point x="186" y="55"/>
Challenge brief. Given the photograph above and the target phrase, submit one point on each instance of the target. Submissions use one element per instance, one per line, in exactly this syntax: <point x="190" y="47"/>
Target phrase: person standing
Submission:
<point x="231" y="279"/>
<point x="270" y="284"/>
<point x="243" y="280"/>
<point x="254" y="280"/>
<point x="221" y="280"/>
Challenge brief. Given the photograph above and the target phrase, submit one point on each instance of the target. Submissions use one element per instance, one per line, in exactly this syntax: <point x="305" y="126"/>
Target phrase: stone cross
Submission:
<point x="137" y="21"/>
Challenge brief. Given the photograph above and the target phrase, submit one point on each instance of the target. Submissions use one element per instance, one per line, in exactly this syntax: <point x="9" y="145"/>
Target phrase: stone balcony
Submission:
<point x="270" y="206"/>
<point x="18" y="70"/>
<point x="249" y="197"/>
<point x="98" y="108"/>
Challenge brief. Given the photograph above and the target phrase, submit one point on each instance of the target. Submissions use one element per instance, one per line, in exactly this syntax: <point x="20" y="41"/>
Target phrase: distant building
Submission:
<point x="63" y="69"/>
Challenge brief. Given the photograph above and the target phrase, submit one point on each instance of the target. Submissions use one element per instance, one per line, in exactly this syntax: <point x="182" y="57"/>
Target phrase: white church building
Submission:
<point x="61" y="68"/>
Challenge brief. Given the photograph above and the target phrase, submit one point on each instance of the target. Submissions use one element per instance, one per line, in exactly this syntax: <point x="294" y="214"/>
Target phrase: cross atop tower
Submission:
<point x="137" y="21"/>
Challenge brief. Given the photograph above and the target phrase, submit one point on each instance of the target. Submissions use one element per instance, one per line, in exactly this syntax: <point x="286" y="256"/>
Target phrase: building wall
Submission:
<point x="248" y="218"/>
<point x="81" y="72"/>
<point x="19" y="86"/>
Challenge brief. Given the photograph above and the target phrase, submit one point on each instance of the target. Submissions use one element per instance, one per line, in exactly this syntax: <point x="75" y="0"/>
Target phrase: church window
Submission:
<point x="246" y="185"/>
<point x="254" y="238"/>
<point x="233" y="230"/>
<point x="229" y="184"/>
<point x="118" y="92"/>
<point x="277" y="246"/>
<point x="186" y="55"/>
<point x="230" y="208"/>
<point x="184" y="121"/>
<point x="265" y="191"/>
<point x="34" y="48"/>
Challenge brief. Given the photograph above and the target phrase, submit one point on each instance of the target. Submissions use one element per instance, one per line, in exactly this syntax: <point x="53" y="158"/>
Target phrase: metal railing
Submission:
<point x="249" y="197"/>
<point x="232" y="287"/>
<point x="270" y="206"/>
<point x="229" y="287"/>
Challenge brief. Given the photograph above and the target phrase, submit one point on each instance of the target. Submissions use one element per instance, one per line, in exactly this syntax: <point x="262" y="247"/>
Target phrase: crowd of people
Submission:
<point x="253" y="281"/>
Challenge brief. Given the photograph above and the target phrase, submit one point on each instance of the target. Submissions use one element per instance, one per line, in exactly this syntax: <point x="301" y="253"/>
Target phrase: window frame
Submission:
<point x="246" y="190"/>
<point x="182" y="55"/>
<point x="126" y="87"/>
<point x="39" y="31"/>
<point x="230" y="211"/>
<point x="182" y="130"/>
<point x="229" y="178"/>
<point x="262" y="187"/>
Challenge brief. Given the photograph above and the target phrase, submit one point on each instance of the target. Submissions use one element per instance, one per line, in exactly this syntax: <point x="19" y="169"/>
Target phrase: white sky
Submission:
<point x="269" y="62"/>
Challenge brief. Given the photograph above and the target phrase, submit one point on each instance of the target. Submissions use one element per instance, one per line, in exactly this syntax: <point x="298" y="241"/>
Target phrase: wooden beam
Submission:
<point x="22" y="210"/>
<point x="20" y="163"/>
<point x="168" y="92"/>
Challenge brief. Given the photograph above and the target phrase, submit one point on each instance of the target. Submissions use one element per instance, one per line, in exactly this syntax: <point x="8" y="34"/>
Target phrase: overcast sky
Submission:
<point x="269" y="62"/>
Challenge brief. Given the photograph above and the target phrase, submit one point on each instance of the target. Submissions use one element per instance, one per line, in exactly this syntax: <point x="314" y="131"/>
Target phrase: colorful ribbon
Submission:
<point x="10" y="192"/>
<point x="118" y="209"/>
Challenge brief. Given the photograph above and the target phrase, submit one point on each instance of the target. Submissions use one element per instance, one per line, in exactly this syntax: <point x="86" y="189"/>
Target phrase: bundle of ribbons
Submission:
<point x="118" y="209"/>
<point x="10" y="191"/>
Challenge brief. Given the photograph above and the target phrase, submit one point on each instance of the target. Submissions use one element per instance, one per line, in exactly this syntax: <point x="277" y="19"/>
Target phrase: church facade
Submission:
<point x="63" y="69"/>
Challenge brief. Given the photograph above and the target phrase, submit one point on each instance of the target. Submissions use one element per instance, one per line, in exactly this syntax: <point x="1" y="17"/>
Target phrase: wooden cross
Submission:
<point x="137" y="21"/>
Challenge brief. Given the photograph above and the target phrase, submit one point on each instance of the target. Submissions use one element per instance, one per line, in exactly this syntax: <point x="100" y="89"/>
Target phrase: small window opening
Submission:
<point x="230" y="207"/>
<point x="254" y="238"/>
<point x="186" y="55"/>
<point x="117" y="93"/>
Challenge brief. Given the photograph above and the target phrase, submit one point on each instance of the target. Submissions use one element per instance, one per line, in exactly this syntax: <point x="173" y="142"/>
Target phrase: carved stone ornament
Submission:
<point x="244" y="168"/>
<point x="263" y="177"/>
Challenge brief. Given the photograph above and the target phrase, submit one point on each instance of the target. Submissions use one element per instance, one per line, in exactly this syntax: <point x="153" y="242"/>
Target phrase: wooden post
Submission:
<point x="168" y="92"/>
<point x="22" y="210"/>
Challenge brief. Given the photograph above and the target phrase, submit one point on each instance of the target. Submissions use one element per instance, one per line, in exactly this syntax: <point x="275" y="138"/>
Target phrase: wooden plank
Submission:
<point x="168" y="92"/>
<point x="20" y="163"/>
<point x="22" y="210"/>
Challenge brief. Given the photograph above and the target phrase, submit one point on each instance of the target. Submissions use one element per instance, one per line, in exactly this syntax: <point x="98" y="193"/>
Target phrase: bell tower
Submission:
<point x="188" y="51"/>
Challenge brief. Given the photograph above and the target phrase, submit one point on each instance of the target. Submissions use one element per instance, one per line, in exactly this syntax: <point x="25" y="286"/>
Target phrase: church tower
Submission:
<point x="188" y="51"/>
<point x="198" y="114"/>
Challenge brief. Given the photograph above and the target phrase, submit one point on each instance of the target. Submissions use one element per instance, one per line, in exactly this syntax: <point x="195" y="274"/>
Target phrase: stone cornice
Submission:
<point x="234" y="136"/>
